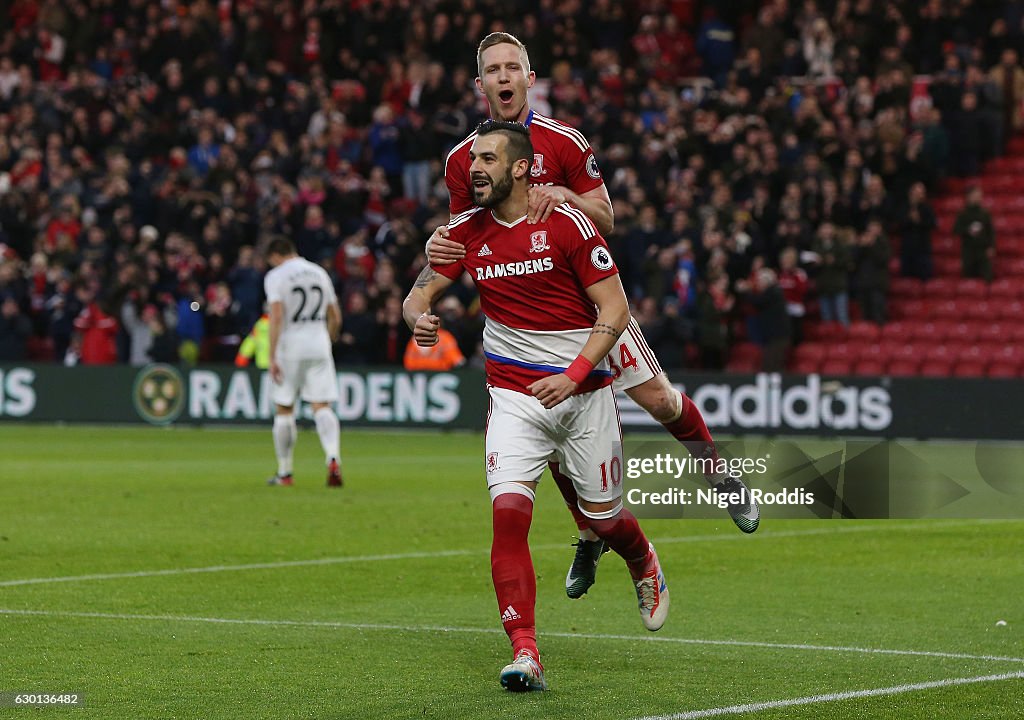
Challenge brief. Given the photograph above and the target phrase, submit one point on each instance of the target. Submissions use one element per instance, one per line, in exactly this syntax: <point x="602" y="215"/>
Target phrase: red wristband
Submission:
<point x="579" y="370"/>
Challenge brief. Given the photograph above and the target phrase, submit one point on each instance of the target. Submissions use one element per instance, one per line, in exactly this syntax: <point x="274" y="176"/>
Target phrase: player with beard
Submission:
<point x="554" y="308"/>
<point x="564" y="170"/>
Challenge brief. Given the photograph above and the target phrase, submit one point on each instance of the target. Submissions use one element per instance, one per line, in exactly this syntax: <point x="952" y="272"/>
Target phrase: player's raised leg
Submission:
<point x="641" y="377"/>
<point x="284" y="444"/>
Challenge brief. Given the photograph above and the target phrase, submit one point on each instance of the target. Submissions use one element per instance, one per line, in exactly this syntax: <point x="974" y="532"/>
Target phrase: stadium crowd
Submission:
<point x="760" y="157"/>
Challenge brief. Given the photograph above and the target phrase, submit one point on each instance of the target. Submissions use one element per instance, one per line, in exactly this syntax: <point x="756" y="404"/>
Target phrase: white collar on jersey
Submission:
<point x="505" y="224"/>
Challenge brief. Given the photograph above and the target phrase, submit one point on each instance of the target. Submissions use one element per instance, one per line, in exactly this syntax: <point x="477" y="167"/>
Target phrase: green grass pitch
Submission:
<point x="376" y="601"/>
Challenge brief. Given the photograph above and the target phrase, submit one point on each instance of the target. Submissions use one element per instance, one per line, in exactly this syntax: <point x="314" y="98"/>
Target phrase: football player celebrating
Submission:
<point x="564" y="170"/>
<point x="554" y="309"/>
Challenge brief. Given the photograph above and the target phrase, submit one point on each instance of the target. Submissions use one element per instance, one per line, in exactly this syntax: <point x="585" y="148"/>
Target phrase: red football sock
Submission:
<point x="623" y="534"/>
<point x="512" y="570"/>
<point x="691" y="430"/>
<point x="572" y="500"/>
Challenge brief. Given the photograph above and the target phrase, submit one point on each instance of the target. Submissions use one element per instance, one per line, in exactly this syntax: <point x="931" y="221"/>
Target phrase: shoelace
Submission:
<point x="645" y="591"/>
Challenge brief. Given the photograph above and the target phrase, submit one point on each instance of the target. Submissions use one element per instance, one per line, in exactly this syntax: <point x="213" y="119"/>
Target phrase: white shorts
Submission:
<point x="314" y="378"/>
<point x="581" y="433"/>
<point x="632" y="360"/>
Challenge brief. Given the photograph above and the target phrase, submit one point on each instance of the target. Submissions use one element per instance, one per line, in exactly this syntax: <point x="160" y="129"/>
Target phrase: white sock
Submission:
<point x="329" y="430"/>
<point x="589" y="535"/>
<point x="284" y="442"/>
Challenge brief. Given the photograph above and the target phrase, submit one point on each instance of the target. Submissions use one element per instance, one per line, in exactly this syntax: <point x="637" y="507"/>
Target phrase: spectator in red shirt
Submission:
<point x="794" y="284"/>
<point x="98" y="331"/>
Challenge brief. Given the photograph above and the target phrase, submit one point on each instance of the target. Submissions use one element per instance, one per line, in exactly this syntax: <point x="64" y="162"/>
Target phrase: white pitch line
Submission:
<point x="833" y="697"/>
<point x="498" y="631"/>
<point x="724" y="537"/>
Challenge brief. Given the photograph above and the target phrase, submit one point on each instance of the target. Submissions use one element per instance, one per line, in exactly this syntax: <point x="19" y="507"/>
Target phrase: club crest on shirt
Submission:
<point x="538" y="165"/>
<point x="539" y="241"/>
<point x="492" y="462"/>
<point x="592" y="169"/>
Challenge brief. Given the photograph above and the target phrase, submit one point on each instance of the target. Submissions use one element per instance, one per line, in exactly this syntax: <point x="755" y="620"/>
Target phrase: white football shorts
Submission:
<point x="632" y="360"/>
<point x="581" y="433"/>
<point x="314" y="379"/>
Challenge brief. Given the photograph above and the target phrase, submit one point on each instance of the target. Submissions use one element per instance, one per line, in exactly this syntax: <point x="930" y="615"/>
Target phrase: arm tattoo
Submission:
<point x="426" y="275"/>
<point x="606" y="325"/>
<point x="602" y="331"/>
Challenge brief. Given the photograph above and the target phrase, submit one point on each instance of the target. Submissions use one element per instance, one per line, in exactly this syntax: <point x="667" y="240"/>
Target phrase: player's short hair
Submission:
<point x="280" y="245"/>
<point x="501" y="38"/>
<point x="519" y="146"/>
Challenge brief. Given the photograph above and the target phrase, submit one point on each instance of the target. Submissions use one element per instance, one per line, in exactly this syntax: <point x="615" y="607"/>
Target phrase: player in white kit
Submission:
<point x="304" y="322"/>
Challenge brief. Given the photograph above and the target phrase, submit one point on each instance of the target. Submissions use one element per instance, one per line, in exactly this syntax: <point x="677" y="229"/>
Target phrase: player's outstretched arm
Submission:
<point x="612" y="318"/>
<point x="595" y="204"/>
<point x="428" y="287"/>
<point x="443" y="251"/>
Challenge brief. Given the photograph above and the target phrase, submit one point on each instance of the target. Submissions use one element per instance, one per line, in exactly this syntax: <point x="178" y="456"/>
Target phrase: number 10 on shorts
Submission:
<point x="611" y="469"/>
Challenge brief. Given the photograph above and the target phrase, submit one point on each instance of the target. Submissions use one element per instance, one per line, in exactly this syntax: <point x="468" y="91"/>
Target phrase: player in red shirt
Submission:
<point x="564" y="170"/>
<point x="554" y="308"/>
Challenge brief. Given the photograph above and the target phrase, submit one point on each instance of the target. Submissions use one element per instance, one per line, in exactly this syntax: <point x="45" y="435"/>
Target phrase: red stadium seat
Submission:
<point x="896" y="330"/>
<point x="836" y="367"/>
<point x="743" y="365"/>
<point x="906" y="287"/>
<point x="941" y="288"/>
<point x="1002" y="370"/>
<point x="831" y="331"/>
<point x="1015" y="333"/>
<point x="972" y="288"/>
<point x="946" y="245"/>
<point x="847" y="352"/>
<point x="1006" y="288"/>
<point x="810" y="351"/>
<point x="746" y="351"/>
<point x="994" y="332"/>
<point x="1012" y="311"/>
<point x="925" y="330"/>
<point x="940" y="353"/>
<point x="903" y="368"/>
<point x="910" y="310"/>
<point x="1009" y="267"/>
<point x="869" y="366"/>
<point x="947" y="266"/>
<point x="805" y="367"/>
<point x="863" y="331"/>
<point x="936" y="368"/>
<point x="969" y="369"/>
<point x="981" y="310"/>
<point x="962" y="333"/>
<point x="979" y="354"/>
<point x="948" y="310"/>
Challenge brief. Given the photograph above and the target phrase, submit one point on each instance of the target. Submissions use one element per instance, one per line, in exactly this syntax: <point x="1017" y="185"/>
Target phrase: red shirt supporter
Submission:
<point x="532" y="281"/>
<point x="99" y="334"/>
<point x="561" y="156"/>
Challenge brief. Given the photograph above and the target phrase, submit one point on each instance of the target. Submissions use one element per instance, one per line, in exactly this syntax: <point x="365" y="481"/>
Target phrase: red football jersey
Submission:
<point x="561" y="156"/>
<point x="532" y="281"/>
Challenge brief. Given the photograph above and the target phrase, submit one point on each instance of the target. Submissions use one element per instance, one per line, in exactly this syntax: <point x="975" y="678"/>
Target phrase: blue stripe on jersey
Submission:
<point x="529" y="118"/>
<point x="536" y="366"/>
